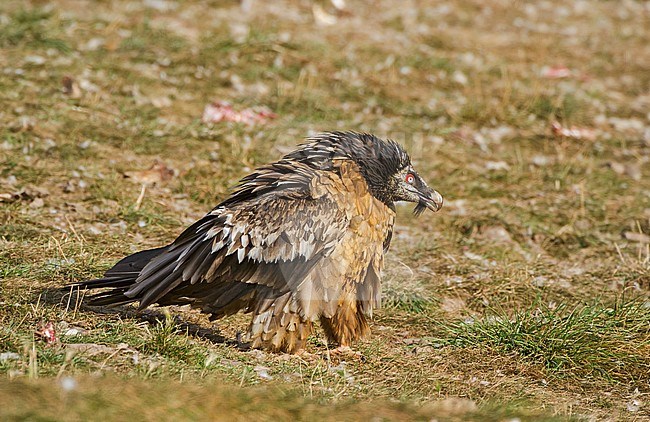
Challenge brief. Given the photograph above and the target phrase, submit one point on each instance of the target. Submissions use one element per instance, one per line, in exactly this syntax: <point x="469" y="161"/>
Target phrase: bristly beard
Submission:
<point x="419" y="209"/>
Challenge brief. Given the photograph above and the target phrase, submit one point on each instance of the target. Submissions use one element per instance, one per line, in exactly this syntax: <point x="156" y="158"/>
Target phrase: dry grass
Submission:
<point x="527" y="296"/>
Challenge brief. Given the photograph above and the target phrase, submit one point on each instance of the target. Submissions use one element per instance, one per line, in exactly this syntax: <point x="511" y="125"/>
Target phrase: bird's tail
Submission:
<point x="118" y="279"/>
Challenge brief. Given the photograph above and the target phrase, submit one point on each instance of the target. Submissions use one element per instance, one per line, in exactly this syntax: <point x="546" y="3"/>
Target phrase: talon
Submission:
<point x="347" y="351"/>
<point x="243" y="343"/>
<point x="302" y="353"/>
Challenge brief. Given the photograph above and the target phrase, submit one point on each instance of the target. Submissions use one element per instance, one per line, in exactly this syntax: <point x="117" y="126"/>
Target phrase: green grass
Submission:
<point x="167" y="340"/>
<point x="582" y="342"/>
<point x="534" y="255"/>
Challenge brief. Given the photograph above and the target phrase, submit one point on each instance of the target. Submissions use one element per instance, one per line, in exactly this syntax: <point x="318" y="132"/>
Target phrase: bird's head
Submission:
<point x="386" y="167"/>
<point x="407" y="185"/>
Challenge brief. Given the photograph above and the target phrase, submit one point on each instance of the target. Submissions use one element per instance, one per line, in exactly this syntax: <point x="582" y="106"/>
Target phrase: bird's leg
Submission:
<point x="345" y="352"/>
<point x="342" y="329"/>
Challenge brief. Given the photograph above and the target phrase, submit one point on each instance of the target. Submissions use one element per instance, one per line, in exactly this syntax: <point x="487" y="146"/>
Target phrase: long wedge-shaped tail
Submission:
<point x="119" y="278"/>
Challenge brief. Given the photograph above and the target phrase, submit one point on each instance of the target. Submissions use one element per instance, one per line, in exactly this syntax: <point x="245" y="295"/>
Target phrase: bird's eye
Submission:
<point x="410" y="178"/>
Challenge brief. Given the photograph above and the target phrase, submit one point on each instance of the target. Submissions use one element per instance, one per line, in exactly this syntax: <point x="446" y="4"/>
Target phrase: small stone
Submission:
<point x="459" y="77"/>
<point x="37" y="203"/>
<point x="451" y="406"/>
<point x="497" y="165"/>
<point x="539" y="281"/>
<point x="35" y="60"/>
<point x="637" y="237"/>
<point x="263" y="372"/>
<point x="71" y="332"/>
<point x="68" y="384"/>
<point x="7" y="356"/>
<point x="633" y="406"/>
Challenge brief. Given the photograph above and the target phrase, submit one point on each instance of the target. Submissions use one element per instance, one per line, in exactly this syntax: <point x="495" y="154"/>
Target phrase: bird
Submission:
<point x="298" y="241"/>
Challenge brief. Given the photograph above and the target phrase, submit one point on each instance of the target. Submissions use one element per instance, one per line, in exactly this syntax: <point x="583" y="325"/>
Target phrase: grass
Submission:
<point x="89" y="398"/>
<point x="525" y="297"/>
<point x="583" y="342"/>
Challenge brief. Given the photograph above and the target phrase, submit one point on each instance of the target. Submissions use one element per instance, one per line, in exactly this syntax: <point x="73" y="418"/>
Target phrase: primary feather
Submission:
<point x="300" y="240"/>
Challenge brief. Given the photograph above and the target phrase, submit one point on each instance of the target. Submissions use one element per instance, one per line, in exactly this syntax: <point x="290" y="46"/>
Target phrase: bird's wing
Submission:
<point x="271" y="240"/>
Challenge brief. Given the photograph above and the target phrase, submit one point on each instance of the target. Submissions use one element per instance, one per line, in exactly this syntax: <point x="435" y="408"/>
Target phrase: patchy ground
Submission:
<point x="526" y="296"/>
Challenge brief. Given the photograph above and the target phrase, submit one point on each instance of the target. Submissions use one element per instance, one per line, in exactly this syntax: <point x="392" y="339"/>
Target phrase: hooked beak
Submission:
<point x="428" y="198"/>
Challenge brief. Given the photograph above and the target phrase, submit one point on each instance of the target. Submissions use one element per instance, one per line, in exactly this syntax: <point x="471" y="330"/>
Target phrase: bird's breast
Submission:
<point x="370" y="222"/>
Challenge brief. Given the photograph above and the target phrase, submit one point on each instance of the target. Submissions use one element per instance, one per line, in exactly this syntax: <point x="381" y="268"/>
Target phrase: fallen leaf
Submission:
<point x="573" y="132"/>
<point x="160" y="5"/>
<point x="451" y="406"/>
<point x="339" y="4"/>
<point x="457" y="207"/>
<point x="637" y="237"/>
<point x="7" y="356"/>
<point x="631" y="170"/>
<point x="222" y="111"/>
<point x="634" y="406"/>
<point x="541" y="160"/>
<point x="86" y="85"/>
<point x="459" y="77"/>
<point x="499" y="133"/>
<point x="414" y="340"/>
<point x="321" y="17"/>
<point x="94" y="44"/>
<point x="452" y="305"/>
<point x="497" y="234"/>
<point x="27" y="193"/>
<point x="90" y="349"/>
<point x="556" y="72"/>
<point x="35" y="60"/>
<point x="263" y="372"/>
<point x="71" y="87"/>
<point x="75" y="331"/>
<point x="635" y="126"/>
<point x="158" y="172"/>
<point x="497" y="165"/>
<point x="257" y="354"/>
<point x="37" y="203"/>
<point x="22" y="124"/>
<point x="229" y="362"/>
<point x="453" y="280"/>
<point x="473" y="256"/>
<point x="160" y="102"/>
<point x="239" y="32"/>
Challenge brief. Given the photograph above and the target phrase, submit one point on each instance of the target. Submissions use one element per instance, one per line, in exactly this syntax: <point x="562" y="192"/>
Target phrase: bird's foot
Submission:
<point x="243" y="342"/>
<point x="303" y="354"/>
<point x="345" y="352"/>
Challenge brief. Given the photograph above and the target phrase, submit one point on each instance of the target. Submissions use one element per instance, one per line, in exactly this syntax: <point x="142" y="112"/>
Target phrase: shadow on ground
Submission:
<point x="74" y="299"/>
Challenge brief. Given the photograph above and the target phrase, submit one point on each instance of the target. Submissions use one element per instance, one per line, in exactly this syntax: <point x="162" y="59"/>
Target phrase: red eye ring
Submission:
<point x="410" y="178"/>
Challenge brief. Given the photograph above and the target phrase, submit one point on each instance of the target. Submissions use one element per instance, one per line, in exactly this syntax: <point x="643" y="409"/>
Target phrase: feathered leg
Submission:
<point x="347" y="325"/>
<point x="278" y="326"/>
